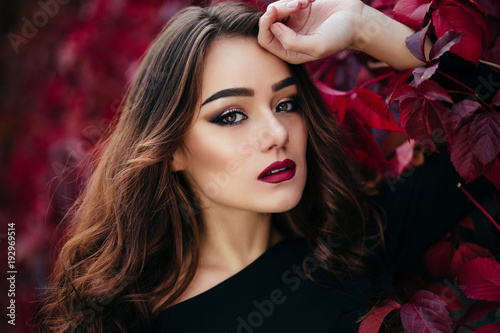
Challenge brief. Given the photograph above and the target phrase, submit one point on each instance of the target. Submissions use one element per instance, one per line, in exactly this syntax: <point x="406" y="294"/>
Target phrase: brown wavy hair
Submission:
<point x="133" y="241"/>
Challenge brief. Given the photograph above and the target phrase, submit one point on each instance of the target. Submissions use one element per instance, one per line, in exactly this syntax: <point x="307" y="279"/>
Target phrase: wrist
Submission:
<point x="359" y="18"/>
<point x="385" y="39"/>
<point x="367" y="26"/>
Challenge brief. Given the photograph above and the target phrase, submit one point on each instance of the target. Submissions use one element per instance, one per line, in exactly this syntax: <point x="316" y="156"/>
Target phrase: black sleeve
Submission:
<point x="422" y="206"/>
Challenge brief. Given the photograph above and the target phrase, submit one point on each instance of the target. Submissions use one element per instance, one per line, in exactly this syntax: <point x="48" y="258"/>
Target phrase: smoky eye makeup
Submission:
<point x="289" y="105"/>
<point x="235" y="115"/>
<point x="229" y="117"/>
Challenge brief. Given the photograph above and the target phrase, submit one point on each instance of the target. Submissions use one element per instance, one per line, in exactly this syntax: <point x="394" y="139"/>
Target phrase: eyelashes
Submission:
<point x="230" y="117"/>
<point x="290" y="105"/>
<point x="234" y="116"/>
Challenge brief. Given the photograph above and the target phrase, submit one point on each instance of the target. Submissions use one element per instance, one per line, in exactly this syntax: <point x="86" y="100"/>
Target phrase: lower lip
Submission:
<point x="279" y="177"/>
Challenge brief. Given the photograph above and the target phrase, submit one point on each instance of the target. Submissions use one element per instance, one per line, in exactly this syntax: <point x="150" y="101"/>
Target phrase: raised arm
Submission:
<point x="298" y="31"/>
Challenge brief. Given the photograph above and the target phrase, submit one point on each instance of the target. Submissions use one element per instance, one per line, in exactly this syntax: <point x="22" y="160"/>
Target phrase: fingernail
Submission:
<point x="268" y="11"/>
<point x="293" y="4"/>
<point x="276" y="30"/>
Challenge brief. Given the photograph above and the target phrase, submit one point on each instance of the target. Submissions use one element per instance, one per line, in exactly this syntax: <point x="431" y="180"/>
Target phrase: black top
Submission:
<point x="272" y="294"/>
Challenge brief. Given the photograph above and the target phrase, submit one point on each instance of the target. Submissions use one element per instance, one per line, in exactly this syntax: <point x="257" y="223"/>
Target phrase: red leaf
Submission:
<point x="373" y="322"/>
<point x="485" y="134"/>
<point x="416" y="43"/>
<point x="396" y="82"/>
<point x="493" y="54"/>
<point x="464" y="161"/>
<point x="467" y="222"/>
<point x="403" y="157"/>
<point x="420" y="74"/>
<point x="411" y="12"/>
<point x="479" y="15"/>
<point x="480" y="279"/>
<point x="453" y="302"/>
<point x="490" y="328"/>
<point x="426" y="314"/>
<point x="385" y="6"/>
<point x="464" y="109"/>
<point x="458" y="16"/>
<point x="325" y="89"/>
<point x="478" y="310"/>
<point x="413" y="122"/>
<point x="445" y="258"/>
<point x="444" y="43"/>
<point x="437" y="258"/>
<point x="364" y="148"/>
<point x="492" y="172"/>
<point x="435" y="92"/>
<point x="370" y="108"/>
<point x="421" y="112"/>
<point x="405" y="92"/>
<point x="465" y="252"/>
<point x="336" y="100"/>
<point x="439" y="118"/>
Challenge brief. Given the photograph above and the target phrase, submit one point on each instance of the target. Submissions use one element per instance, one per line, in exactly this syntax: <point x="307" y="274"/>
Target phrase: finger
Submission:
<point x="287" y="52"/>
<point x="276" y="12"/>
<point x="268" y="40"/>
<point x="265" y="36"/>
<point x="286" y="8"/>
<point x="294" y="43"/>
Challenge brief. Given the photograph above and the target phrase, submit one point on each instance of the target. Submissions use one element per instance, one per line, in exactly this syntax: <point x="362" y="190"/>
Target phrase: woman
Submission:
<point x="224" y="192"/>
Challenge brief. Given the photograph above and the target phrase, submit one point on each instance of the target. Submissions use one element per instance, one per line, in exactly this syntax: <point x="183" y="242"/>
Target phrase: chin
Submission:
<point x="285" y="204"/>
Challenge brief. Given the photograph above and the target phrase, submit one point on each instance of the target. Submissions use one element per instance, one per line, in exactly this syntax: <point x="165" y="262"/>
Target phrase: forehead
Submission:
<point x="240" y="62"/>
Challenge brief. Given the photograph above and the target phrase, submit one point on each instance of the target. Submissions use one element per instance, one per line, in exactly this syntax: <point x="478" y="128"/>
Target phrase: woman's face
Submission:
<point x="246" y="148"/>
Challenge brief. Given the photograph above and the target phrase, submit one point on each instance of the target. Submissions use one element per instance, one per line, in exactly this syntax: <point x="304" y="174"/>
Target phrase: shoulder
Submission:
<point x="208" y="277"/>
<point x="273" y="294"/>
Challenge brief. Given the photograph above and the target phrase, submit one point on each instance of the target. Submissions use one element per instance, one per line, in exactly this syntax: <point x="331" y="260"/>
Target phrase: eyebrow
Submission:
<point x="247" y="92"/>
<point x="290" y="81"/>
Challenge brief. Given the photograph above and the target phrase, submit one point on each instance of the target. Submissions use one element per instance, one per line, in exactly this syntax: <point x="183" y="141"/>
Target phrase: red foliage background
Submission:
<point x="62" y="81"/>
<point x="64" y="68"/>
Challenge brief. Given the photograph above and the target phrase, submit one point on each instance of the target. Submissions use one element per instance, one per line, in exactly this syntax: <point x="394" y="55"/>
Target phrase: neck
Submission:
<point x="232" y="240"/>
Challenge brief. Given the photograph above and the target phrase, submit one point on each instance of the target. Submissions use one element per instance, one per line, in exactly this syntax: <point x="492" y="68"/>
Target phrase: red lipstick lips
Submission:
<point x="278" y="172"/>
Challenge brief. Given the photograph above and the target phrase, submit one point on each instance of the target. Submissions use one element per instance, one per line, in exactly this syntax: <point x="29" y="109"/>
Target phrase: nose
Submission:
<point x="273" y="134"/>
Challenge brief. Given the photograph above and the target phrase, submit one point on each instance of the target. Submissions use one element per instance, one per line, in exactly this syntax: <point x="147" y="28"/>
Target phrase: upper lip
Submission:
<point x="286" y="163"/>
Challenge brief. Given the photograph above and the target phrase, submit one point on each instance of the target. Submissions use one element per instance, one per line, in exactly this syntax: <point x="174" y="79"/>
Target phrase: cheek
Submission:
<point x="301" y="138"/>
<point x="300" y="130"/>
<point x="204" y="152"/>
<point x="216" y="165"/>
<point x="209" y="156"/>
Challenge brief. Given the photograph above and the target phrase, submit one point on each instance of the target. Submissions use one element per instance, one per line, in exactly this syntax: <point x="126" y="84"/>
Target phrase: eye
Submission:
<point x="229" y="118"/>
<point x="290" y="105"/>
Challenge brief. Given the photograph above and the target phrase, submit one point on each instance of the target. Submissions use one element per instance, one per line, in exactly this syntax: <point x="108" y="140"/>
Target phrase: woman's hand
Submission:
<point x="303" y="30"/>
<point x="298" y="31"/>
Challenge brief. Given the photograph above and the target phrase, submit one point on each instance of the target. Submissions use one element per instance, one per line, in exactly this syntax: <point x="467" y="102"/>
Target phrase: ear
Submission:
<point x="179" y="162"/>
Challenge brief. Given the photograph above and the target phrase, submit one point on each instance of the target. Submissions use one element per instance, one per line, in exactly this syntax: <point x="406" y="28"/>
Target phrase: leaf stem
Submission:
<point x="460" y="92"/>
<point x="491" y="64"/>
<point x="456" y="81"/>
<point x="483" y="103"/>
<point x="488" y="216"/>
<point x="375" y="80"/>
<point x="462" y="325"/>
